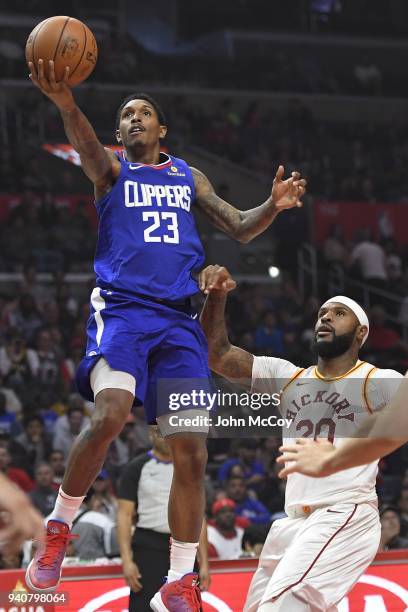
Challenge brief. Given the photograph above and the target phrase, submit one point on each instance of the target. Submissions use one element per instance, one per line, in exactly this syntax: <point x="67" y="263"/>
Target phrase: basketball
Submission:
<point x="68" y="42"/>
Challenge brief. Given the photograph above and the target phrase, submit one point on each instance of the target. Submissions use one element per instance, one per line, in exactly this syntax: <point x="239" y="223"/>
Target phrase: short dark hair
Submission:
<point x="231" y="478"/>
<point x="141" y="96"/>
<point x="254" y="534"/>
<point x="30" y="418"/>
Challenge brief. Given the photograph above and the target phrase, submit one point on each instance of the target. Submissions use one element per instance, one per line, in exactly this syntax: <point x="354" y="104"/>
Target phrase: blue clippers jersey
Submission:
<point x="148" y="241"/>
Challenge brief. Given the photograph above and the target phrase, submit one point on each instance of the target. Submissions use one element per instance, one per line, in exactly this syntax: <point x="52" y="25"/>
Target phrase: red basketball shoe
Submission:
<point x="179" y="596"/>
<point x="44" y="572"/>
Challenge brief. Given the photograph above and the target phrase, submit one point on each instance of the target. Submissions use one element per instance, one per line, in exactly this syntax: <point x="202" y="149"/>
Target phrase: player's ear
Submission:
<point x="118" y="137"/>
<point x="362" y="332"/>
<point x="163" y="131"/>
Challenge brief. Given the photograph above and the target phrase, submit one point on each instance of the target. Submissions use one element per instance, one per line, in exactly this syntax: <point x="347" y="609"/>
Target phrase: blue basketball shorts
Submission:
<point x="162" y="346"/>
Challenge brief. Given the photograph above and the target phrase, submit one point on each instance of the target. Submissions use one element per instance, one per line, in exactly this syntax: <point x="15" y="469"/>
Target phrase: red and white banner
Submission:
<point x="389" y="219"/>
<point x="383" y="588"/>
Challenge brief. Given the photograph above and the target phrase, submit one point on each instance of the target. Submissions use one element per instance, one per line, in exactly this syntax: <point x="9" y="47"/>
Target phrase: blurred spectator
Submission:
<point x="26" y="317"/>
<point x="44" y="493"/>
<point x="402" y="504"/>
<point x="17" y="475"/>
<point x="251" y="469"/>
<point x="18" y="364"/>
<point x="368" y="76"/>
<point x="272" y="491"/>
<point x="48" y="362"/>
<point x="403" y="312"/>
<point x="391" y="529"/>
<point x="40" y="292"/>
<point x="7" y="419"/>
<point x="69" y="365"/>
<point x="334" y="248"/>
<point x="369" y="258"/>
<point x="102" y="486"/>
<point x="35" y="442"/>
<point x="224" y="537"/>
<point x="383" y="340"/>
<point x="57" y="463"/>
<point x="13" y="403"/>
<point x="68" y="426"/>
<point x="268" y="336"/>
<point x="96" y="532"/>
<point x="132" y="440"/>
<point x="9" y="561"/>
<point x="246" y="507"/>
<point x="253" y="540"/>
<point x="394" y="268"/>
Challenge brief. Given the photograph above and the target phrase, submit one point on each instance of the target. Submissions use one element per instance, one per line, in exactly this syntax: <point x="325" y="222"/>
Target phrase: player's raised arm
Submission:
<point x="99" y="164"/>
<point x="224" y="358"/>
<point x="246" y="225"/>
<point x="378" y="436"/>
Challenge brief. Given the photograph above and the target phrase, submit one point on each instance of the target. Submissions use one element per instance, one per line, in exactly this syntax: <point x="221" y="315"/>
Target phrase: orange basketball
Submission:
<point x="68" y="42"/>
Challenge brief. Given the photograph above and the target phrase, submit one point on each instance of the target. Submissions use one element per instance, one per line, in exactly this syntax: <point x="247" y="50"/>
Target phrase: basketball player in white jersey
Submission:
<point x="312" y="558"/>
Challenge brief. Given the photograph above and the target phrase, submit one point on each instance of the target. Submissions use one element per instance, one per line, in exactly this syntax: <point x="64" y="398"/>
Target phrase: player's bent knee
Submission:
<point x="112" y="407"/>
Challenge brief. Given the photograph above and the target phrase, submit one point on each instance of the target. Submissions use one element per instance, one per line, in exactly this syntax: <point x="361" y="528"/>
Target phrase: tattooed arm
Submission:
<point x="224" y="358"/>
<point x="99" y="164"/>
<point x="244" y="225"/>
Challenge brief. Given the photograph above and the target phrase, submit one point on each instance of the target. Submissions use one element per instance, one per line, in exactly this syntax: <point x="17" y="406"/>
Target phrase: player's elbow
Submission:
<point x="214" y="355"/>
<point x="240" y="231"/>
<point x="214" y="362"/>
<point x="242" y="235"/>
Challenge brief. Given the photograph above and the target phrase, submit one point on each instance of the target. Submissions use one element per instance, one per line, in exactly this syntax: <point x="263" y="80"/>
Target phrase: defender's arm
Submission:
<point x="224" y="358"/>
<point x="246" y="225"/>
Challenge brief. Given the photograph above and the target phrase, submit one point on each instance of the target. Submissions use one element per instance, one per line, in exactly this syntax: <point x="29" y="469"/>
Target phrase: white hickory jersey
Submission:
<point x="331" y="408"/>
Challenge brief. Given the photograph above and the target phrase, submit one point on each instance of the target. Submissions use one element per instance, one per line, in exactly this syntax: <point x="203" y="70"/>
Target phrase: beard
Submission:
<point x="336" y="347"/>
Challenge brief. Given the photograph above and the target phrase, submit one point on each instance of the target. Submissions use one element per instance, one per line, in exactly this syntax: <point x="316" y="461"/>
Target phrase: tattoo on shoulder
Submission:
<point x="201" y="182"/>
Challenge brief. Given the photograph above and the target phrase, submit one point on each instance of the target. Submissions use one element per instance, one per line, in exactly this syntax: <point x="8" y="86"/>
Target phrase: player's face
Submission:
<point x="139" y="125"/>
<point x="335" y="330"/>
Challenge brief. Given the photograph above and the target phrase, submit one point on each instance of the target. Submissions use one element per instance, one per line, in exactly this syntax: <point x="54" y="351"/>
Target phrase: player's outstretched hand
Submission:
<point x="308" y="457"/>
<point x="287" y="193"/>
<point x="216" y="278"/>
<point x="19" y="520"/>
<point x="58" y="91"/>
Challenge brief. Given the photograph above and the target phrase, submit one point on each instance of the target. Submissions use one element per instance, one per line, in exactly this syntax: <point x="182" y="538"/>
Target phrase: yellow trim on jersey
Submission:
<point x="353" y="369"/>
<point x="294" y="377"/>
<point x="365" y="396"/>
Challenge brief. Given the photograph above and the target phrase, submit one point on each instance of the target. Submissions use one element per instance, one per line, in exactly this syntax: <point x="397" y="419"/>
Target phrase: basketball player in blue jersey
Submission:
<point x="141" y="327"/>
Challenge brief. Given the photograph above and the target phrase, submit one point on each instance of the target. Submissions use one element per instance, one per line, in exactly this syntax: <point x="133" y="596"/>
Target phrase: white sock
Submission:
<point x="66" y="507"/>
<point x="182" y="557"/>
